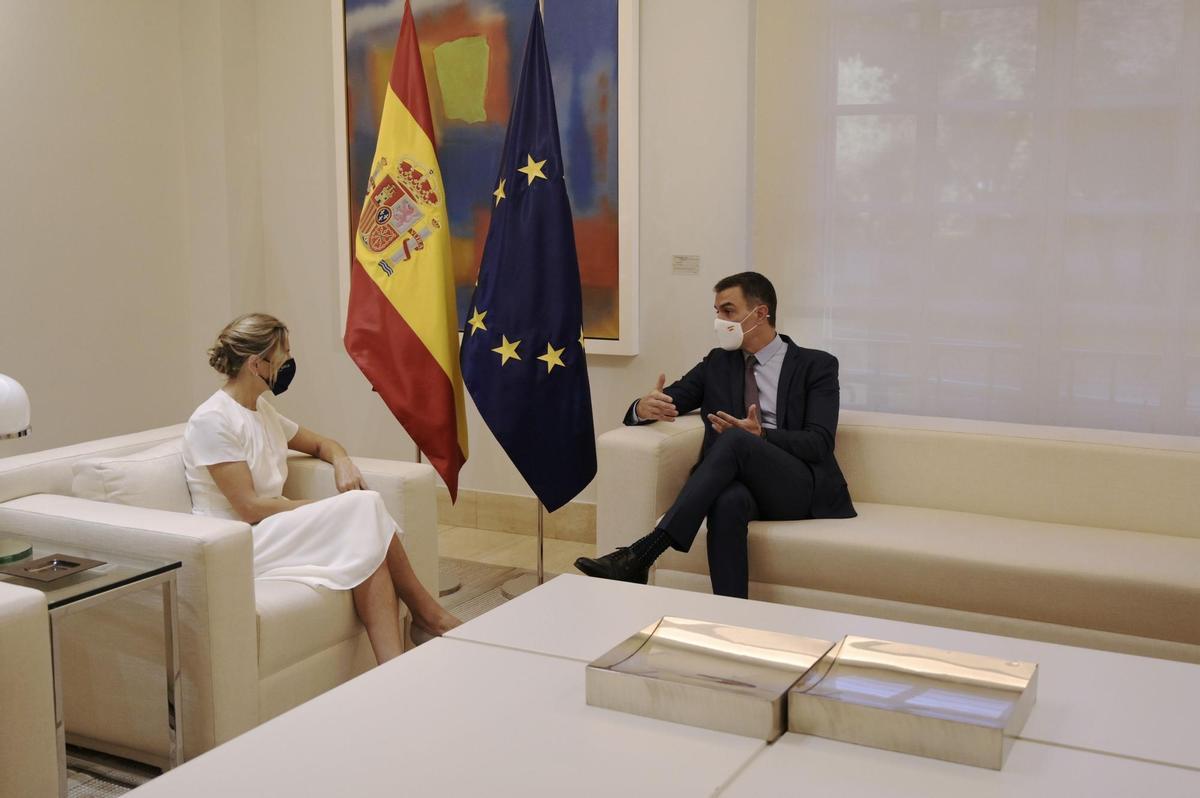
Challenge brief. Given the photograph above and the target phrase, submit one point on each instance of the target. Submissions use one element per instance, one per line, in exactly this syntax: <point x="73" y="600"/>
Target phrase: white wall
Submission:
<point x="223" y="220"/>
<point x="93" y="269"/>
<point x="112" y="296"/>
<point x="788" y="191"/>
<point x="695" y="176"/>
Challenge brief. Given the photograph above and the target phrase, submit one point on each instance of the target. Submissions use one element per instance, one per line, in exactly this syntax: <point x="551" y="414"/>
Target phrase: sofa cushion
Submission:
<point x="296" y="621"/>
<point x="1112" y="580"/>
<point x="151" y="478"/>
<point x="1059" y="475"/>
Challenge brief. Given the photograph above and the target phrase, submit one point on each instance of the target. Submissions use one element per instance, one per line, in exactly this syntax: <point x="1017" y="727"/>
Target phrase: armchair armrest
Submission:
<point x="408" y="493"/>
<point x="640" y="472"/>
<point x="113" y="653"/>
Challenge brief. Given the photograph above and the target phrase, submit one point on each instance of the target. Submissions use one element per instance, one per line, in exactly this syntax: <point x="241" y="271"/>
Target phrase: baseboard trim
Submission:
<point x="508" y="512"/>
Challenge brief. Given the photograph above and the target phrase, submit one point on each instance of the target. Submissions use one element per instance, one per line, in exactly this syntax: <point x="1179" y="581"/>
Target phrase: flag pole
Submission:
<point x="526" y="582"/>
<point x="448" y="583"/>
<point x="541" y="572"/>
<point x="531" y="223"/>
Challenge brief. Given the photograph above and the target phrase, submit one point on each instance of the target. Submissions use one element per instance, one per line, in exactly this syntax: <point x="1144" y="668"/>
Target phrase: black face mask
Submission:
<point x="283" y="377"/>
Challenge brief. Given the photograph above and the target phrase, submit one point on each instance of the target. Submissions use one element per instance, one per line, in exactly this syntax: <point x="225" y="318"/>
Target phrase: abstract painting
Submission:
<point x="472" y="51"/>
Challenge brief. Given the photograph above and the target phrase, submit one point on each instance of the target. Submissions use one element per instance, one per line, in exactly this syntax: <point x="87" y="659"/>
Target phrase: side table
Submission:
<point x="120" y="575"/>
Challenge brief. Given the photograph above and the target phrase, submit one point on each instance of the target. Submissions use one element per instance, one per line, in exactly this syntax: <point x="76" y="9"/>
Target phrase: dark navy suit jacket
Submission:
<point x="806" y="412"/>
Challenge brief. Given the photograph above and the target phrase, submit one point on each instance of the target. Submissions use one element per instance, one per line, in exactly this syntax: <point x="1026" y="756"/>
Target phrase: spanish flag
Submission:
<point x="401" y="326"/>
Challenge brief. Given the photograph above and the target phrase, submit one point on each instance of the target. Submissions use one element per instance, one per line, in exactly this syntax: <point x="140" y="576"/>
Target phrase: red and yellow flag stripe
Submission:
<point x="402" y="325"/>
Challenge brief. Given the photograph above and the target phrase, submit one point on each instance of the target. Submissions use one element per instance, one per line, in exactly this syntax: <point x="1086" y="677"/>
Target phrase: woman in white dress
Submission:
<point x="235" y="454"/>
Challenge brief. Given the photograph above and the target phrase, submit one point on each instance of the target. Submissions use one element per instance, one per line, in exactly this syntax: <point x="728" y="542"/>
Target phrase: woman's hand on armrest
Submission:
<point x="346" y="475"/>
<point x="236" y="483"/>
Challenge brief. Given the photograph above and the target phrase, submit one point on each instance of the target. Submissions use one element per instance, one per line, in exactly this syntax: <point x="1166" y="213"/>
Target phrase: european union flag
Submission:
<point x="522" y="351"/>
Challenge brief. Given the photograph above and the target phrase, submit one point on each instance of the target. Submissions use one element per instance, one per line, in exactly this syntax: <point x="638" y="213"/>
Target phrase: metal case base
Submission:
<point x="714" y="676"/>
<point x="931" y="702"/>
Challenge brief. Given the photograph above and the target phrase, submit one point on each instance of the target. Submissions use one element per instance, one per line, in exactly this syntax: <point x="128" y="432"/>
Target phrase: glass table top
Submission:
<point x="117" y="570"/>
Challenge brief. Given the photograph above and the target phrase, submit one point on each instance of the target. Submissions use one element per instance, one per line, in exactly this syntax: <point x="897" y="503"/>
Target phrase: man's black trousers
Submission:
<point x="741" y="478"/>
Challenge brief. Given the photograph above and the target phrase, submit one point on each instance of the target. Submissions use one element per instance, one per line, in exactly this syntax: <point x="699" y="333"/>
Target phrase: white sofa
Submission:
<point x="1084" y="537"/>
<point x="28" y="748"/>
<point x="248" y="650"/>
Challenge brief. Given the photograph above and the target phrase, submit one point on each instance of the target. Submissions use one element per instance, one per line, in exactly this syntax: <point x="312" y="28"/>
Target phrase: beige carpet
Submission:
<point x="94" y="775"/>
<point x="481" y="586"/>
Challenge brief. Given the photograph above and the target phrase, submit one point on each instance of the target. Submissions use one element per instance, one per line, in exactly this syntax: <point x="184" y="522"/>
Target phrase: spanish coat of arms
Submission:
<point x="400" y="210"/>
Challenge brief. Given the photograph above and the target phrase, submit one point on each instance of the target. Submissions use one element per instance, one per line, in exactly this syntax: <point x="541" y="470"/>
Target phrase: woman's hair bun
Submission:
<point x="250" y="334"/>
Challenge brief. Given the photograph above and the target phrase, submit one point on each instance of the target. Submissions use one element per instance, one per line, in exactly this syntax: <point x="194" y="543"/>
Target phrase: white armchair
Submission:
<point x="248" y="650"/>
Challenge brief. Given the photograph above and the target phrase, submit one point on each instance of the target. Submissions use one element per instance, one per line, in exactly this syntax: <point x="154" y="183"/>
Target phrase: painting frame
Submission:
<point x="628" y="164"/>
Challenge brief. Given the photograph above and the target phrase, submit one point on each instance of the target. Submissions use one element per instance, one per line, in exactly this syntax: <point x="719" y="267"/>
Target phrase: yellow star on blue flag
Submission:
<point x="476" y="321"/>
<point x="552" y="358"/>
<point x="507" y="350"/>
<point x="532" y="169"/>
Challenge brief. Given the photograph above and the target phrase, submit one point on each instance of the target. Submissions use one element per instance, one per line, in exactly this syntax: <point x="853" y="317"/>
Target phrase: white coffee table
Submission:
<point x="455" y="718"/>
<point x="497" y="708"/>
<point x="1093" y="700"/>
<point x="801" y="765"/>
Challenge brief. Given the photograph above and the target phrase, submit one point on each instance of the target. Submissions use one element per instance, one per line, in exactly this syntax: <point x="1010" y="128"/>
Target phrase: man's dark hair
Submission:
<point x="756" y="288"/>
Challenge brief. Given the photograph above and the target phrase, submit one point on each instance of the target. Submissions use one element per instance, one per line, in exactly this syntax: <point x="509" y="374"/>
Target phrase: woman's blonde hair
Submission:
<point x="250" y="334"/>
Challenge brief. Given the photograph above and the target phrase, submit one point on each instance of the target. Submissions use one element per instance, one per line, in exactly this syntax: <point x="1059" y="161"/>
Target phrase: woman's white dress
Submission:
<point x="336" y="542"/>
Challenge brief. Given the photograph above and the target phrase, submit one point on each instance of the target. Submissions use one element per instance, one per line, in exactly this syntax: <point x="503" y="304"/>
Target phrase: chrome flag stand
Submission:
<point x="526" y="582"/>
<point x="447" y="583"/>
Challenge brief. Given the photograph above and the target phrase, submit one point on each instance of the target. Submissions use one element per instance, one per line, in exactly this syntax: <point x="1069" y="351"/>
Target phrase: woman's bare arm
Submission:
<point x="345" y="474"/>
<point x="235" y="481"/>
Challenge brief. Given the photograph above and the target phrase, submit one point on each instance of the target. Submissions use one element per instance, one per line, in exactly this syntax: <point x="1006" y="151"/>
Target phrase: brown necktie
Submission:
<point x="750" y="394"/>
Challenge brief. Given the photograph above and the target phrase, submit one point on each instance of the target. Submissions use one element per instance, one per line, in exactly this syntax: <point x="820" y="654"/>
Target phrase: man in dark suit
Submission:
<point x="771" y="409"/>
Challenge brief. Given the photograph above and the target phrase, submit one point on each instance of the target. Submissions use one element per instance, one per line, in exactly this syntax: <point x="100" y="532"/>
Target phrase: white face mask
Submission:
<point x="730" y="333"/>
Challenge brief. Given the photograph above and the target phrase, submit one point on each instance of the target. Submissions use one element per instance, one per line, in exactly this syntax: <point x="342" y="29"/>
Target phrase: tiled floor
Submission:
<point x="504" y="548"/>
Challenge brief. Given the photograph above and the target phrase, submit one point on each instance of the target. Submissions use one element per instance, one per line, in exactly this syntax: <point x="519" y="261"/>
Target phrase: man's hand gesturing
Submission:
<point x="751" y="423"/>
<point x="656" y="405"/>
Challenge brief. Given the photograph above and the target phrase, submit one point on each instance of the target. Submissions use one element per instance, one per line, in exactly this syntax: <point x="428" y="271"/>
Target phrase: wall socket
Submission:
<point x="685" y="264"/>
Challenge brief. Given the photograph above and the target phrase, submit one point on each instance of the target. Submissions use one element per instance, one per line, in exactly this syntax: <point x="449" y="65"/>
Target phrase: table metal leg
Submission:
<point x="174" y="682"/>
<point x="60" y="729"/>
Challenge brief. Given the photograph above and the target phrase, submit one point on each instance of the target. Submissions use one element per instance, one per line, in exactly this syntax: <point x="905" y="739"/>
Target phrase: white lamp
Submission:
<point x="14" y="409"/>
<point x="14" y="423"/>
